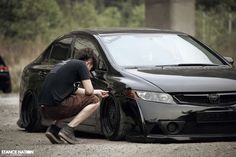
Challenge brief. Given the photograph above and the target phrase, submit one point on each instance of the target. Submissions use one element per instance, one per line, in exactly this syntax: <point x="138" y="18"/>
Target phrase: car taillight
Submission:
<point x="3" y="69"/>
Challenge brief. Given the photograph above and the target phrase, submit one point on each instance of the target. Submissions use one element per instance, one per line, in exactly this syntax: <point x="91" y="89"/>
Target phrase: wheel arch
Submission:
<point x="24" y="104"/>
<point x="31" y="121"/>
<point x="130" y="109"/>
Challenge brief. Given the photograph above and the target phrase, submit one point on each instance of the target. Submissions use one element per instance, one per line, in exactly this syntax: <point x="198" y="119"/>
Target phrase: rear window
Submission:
<point x="61" y="50"/>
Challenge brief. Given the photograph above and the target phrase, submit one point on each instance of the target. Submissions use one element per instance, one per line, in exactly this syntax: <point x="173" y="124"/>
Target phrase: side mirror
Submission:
<point x="98" y="74"/>
<point x="94" y="74"/>
<point x="230" y="60"/>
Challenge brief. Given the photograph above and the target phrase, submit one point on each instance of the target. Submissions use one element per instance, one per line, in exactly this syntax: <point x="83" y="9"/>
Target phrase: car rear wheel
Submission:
<point x="31" y="115"/>
<point x="113" y="120"/>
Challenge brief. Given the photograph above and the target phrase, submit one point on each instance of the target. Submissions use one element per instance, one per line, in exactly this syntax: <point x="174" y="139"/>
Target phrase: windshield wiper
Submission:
<point x="172" y="65"/>
<point x="137" y="67"/>
<point x="131" y="67"/>
<point x="196" y="64"/>
<point x="188" y="64"/>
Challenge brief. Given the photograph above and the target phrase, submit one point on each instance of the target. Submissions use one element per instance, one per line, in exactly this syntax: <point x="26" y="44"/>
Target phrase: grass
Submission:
<point x="17" y="55"/>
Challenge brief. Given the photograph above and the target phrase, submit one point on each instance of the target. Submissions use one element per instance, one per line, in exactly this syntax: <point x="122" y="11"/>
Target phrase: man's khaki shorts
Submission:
<point x="69" y="107"/>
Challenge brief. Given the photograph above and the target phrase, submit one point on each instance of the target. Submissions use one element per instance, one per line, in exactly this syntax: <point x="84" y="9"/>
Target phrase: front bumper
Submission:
<point x="179" y="138"/>
<point x="177" y="122"/>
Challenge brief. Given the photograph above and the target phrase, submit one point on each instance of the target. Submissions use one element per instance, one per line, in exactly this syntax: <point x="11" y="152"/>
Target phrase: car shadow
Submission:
<point x="85" y="135"/>
<point x="171" y="141"/>
<point x="89" y="135"/>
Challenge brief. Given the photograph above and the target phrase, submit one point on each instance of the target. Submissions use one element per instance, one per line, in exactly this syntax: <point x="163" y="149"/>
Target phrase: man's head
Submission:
<point x="88" y="56"/>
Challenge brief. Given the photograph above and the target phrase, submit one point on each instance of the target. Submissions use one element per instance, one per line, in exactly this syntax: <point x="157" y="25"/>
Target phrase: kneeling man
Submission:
<point x="60" y="98"/>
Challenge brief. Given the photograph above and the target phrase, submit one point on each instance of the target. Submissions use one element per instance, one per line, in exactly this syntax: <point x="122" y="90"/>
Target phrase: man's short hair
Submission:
<point x="85" y="54"/>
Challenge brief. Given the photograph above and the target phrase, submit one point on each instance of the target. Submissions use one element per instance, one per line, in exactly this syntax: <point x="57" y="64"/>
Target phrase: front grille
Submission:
<point x="209" y="128"/>
<point x="206" y="99"/>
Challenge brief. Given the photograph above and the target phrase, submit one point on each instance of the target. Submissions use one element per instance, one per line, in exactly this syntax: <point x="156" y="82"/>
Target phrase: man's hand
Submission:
<point x="101" y="93"/>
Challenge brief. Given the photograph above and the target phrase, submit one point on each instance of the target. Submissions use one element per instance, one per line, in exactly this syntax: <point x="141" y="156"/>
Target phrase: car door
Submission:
<point x="81" y="42"/>
<point x="58" y="51"/>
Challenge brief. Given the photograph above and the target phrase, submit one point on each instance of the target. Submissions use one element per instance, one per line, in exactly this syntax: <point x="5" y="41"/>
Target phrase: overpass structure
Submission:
<point x="176" y="15"/>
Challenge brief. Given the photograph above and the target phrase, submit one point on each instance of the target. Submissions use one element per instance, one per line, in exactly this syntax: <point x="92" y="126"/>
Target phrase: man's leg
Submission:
<point x="67" y="132"/>
<point x="84" y="114"/>
<point x="52" y="134"/>
<point x="53" y="130"/>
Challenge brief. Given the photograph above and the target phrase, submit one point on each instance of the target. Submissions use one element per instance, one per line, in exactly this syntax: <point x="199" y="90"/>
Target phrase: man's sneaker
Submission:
<point x="67" y="134"/>
<point x="52" y="134"/>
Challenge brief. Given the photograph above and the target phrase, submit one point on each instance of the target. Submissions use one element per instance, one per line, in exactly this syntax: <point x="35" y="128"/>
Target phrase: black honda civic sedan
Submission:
<point x="163" y="85"/>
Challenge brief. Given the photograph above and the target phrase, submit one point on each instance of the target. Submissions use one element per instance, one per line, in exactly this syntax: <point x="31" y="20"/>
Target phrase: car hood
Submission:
<point x="189" y="79"/>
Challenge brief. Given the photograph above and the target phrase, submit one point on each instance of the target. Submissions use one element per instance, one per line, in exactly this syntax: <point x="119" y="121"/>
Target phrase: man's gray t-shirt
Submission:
<point x="59" y="83"/>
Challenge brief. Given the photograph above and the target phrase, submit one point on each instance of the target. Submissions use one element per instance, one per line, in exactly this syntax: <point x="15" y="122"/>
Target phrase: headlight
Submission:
<point x="157" y="97"/>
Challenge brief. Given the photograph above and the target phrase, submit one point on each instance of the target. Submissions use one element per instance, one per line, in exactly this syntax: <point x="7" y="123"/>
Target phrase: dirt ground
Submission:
<point x="16" y="140"/>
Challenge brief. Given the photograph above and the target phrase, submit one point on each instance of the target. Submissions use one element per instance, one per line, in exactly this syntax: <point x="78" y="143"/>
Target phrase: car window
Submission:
<point x="101" y="64"/>
<point x="82" y="42"/>
<point x="61" y="50"/>
<point x="44" y="56"/>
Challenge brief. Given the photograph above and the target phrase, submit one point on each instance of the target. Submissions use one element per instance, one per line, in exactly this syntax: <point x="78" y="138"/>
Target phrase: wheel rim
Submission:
<point x="110" y="117"/>
<point x="28" y="111"/>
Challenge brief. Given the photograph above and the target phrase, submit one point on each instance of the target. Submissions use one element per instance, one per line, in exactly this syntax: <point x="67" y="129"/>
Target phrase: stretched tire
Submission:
<point x="31" y="116"/>
<point x="113" y="120"/>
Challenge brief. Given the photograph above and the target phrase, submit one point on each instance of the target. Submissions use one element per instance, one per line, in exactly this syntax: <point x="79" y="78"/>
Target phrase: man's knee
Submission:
<point x="96" y="102"/>
<point x="95" y="99"/>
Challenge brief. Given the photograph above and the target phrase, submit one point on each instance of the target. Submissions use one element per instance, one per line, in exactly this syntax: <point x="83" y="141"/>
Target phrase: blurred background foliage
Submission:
<point x="29" y="19"/>
<point x="216" y="25"/>
<point x="27" y="26"/>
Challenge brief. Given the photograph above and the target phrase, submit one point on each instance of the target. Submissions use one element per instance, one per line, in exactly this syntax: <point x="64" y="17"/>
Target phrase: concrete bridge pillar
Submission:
<point x="176" y="15"/>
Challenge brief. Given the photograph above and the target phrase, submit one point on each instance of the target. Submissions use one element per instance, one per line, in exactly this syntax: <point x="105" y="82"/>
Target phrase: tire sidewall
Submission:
<point x="34" y="123"/>
<point x="118" y="132"/>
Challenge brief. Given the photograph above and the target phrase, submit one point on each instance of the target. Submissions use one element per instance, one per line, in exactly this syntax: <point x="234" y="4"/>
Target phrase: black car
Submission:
<point x="5" y="79"/>
<point x="163" y="85"/>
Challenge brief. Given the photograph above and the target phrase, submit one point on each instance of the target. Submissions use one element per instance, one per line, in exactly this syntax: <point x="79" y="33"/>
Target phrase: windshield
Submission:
<point x="157" y="50"/>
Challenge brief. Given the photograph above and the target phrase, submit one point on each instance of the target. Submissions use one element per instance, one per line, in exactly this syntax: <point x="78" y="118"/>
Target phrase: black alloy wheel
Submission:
<point x="31" y="116"/>
<point x="113" y="120"/>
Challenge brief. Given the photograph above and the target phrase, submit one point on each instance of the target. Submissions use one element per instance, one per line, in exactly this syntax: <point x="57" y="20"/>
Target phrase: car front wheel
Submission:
<point x="113" y="120"/>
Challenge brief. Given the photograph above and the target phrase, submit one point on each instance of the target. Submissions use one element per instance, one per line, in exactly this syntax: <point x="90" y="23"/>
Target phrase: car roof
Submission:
<point x="100" y="31"/>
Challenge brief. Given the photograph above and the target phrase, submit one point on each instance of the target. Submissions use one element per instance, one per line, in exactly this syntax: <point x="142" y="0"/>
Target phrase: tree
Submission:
<point x="110" y="17"/>
<point x="137" y="16"/>
<point x="26" y="19"/>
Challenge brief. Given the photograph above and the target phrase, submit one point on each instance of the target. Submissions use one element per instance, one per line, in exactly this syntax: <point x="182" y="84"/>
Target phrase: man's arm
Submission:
<point x="88" y="89"/>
